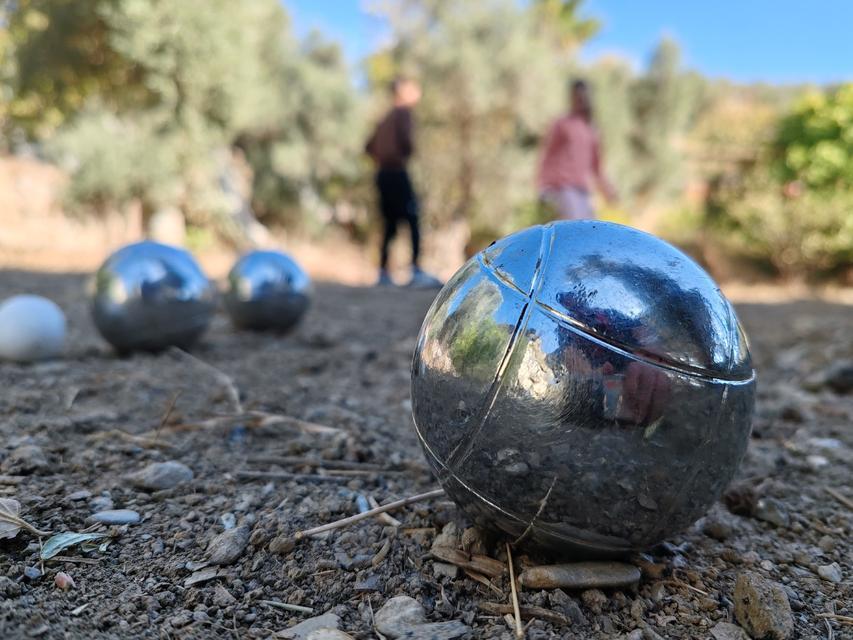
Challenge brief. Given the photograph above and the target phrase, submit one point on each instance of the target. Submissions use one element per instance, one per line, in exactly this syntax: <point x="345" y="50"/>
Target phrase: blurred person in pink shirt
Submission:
<point x="570" y="165"/>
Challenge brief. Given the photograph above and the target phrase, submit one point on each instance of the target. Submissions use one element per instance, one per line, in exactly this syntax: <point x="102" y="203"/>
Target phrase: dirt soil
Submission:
<point x="65" y="453"/>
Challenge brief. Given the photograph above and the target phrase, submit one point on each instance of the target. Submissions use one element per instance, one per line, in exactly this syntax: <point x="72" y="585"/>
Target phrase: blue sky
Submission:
<point x="747" y="40"/>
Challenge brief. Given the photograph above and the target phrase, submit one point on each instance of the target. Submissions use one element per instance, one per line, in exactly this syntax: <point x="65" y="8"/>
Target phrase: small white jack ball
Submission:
<point x="31" y="328"/>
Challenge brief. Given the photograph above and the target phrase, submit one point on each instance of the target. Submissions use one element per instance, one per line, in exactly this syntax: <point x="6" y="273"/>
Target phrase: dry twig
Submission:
<point x="369" y="514"/>
<point x="167" y="414"/>
<point x="847" y="502"/>
<point x="256" y="420"/>
<point x="680" y="583"/>
<point x="386" y="518"/>
<point x="287" y="607"/>
<point x="527" y="613"/>
<point x="381" y="554"/>
<point x="519" y="629"/>
<point x="483" y="580"/>
<point x="141" y="441"/>
<point x="299" y="461"/>
<point x="283" y="475"/>
<point x="837" y="618"/>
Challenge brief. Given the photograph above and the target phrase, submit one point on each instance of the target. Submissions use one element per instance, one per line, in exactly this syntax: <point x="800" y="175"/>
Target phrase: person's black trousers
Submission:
<point x="397" y="201"/>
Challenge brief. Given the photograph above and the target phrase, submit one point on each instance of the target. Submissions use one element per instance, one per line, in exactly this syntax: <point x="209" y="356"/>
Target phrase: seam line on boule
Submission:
<point x="640" y="356"/>
<point x="465" y="446"/>
<point x="567" y="320"/>
<point x="490" y="268"/>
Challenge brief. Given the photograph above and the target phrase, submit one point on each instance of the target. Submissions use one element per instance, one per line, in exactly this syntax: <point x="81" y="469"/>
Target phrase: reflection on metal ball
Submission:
<point x="583" y="386"/>
<point x="267" y="290"/>
<point x="149" y="296"/>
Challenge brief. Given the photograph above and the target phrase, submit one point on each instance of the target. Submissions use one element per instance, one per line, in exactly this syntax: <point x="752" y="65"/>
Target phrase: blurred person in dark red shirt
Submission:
<point x="391" y="146"/>
<point x="571" y="164"/>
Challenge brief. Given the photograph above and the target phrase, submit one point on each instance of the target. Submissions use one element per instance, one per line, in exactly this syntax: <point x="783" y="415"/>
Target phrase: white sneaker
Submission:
<point x="423" y="280"/>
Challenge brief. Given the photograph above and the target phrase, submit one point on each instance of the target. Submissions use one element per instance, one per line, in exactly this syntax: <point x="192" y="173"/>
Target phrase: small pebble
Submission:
<point x="282" y="544"/>
<point x="449" y="537"/>
<point x="158" y="476"/>
<point x="329" y="634"/>
<point x="443" y="569"/>
<point x="580" y="575"/>
<point x="32" y="573"/>
<point x="370" y="583"/>
<point x="101" y="503"/>
<point x="397" y="614"/>
<point x="79" y="495"/>
<point x="816" y="462"/>
<point x="115" y="517"/>
<point x="762" y="608"/>
<point x="728" y="631"/>
<point x="771" y="511"/>
<point x="594" y="600"/>
<point x="568" y="606"/>
<point x="228" y="545"/>
<point x="23" y="460"/>
<point x="63" y="581"/>
<point x="830" y="572"/>
<point x="405" y="617"/>
<point x="826" y="544"/>
<point x="222" y="597"/>
<point x="305" y="628"/>
<point x="716" y="529"/>
<point x="839" y="377"/>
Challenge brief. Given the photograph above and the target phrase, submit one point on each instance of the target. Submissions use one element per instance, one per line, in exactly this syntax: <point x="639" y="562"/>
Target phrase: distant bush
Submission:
<point x="814" y="144"/>
<point x="799" y="233"/>
<point x="791" y="208"/>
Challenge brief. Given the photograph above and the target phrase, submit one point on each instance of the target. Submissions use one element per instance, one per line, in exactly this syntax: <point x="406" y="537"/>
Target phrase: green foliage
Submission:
<point x="114" y="161"/>
<point x="815" y="142"/>
<point x="800" y="235"/>
<point x="144" y="99"/>
<point x="560" y="20"/>
<point x="477" y="348"/>
<point x="57" y="55"/>
<point x="644" y="120"/>
<point x="791" y="207"/>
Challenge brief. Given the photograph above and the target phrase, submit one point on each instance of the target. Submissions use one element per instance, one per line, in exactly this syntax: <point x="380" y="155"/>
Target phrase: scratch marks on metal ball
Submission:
<point x="542" y="503"/>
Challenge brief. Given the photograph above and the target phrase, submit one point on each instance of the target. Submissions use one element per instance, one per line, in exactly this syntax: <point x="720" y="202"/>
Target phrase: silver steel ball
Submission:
<point x="149" y="296"/>
<point x="583" y="386"/>
<point x="267" y="290"/>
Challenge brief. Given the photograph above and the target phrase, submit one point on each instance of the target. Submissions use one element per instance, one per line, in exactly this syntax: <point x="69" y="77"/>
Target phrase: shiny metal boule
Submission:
<point x="267" y="290"/>
<point x="583" y="386"/>
<point x="149" y="296"/>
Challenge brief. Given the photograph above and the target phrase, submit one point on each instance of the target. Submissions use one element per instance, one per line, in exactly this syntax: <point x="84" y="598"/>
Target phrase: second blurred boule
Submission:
<point x="267" y="291"/>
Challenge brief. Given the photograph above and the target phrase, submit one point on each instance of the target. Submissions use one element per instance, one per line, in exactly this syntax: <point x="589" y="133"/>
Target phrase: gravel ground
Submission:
<point x="213" y="553"/>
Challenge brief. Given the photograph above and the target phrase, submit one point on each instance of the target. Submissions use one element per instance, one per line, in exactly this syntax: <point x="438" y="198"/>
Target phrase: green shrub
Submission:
<point x="802" y="234"/>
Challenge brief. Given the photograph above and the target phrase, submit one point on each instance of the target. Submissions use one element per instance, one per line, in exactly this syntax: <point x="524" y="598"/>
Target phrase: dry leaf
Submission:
<point x="9" y="520"/>
<point x="62" y="541"/>
<point x="472" y="561"/>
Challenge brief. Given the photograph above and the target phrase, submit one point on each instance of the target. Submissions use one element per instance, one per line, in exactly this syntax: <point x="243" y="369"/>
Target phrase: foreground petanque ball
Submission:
<point x="31" y="328"/>
<point x="267" y="290"/>
<point x="583" y="386"/>
<point x="149" y="296"/>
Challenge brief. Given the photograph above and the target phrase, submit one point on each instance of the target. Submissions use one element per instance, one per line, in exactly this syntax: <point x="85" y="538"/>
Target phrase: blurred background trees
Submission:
<point x="166" y="103"/>
<point x="219" y="112"/>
